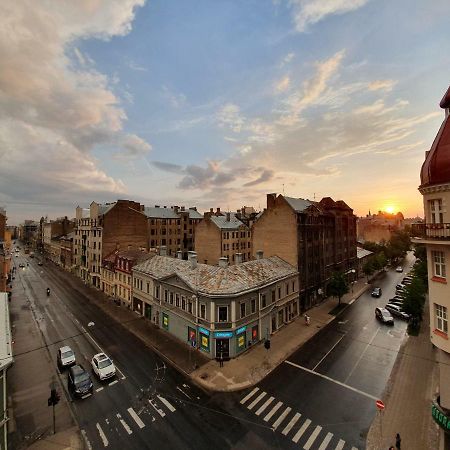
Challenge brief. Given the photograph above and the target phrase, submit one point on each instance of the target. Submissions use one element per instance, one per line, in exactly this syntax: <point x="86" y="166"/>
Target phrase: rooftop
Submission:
<point x="221" y="222"/>
<point x="298" y="204"/>
<point x="6" y="358"/>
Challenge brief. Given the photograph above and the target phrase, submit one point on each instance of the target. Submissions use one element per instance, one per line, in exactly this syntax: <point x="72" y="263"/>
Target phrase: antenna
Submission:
<point x="283" y="189"/>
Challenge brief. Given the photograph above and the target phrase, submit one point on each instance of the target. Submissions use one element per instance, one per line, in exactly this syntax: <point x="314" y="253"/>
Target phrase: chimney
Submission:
<point x="238" y="258"/>
<point x="162" y="250"/>
<point x="223" y="261"/>
<point x="192" y="256"/>
<point x="156" y="206"/>
<point x="259" y="254"/>
<point x="182" y="208"/>
<point x="271" y="200"/>
<point x="211" y="210"/>
<point x="218" y="211"/>
<point x="179" y="254"/>
<point x="207" y="215"/>
<point x="228" y="216"/>
<point x="175" y="208"/>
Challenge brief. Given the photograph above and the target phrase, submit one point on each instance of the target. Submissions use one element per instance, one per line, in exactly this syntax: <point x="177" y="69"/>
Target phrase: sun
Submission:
<point x="390" y="209"/>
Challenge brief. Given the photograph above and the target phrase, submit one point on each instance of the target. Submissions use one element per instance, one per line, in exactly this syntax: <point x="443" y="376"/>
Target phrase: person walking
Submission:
<point x="398" y="441"/>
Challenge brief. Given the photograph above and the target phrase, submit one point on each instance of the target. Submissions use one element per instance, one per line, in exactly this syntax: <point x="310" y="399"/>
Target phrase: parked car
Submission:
<point x="384" y="316"/>
<point x="103" y="366"/>
<point x="79" y="382"/>
<point x="407" y="280"/>
<point x="400" y="286"/>
<point x="395" y="302"/>
<point x="40" y="263"/>
<point x="376" y="292"/>
<point x="397" y="311"/>
<point x="21" y="265"/>
<point x="65" y="357"/>
<point x="399" y="269"/>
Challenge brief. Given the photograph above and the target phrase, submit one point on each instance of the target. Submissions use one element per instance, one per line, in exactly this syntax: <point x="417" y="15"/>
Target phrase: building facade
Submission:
<point x="434" y="233"/>
<point x="379" y="227"/>
<point x="219" y="310"/>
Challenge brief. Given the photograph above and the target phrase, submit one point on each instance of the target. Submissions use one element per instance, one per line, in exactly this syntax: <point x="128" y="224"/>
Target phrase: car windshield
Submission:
<point x="67" y="354"/>
<point x="104" y="363"/>
<point x="82" y="377"/>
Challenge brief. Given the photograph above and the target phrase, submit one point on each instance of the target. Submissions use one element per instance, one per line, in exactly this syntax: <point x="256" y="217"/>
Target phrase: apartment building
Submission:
<point x="222" y="235"/>
<point x="53" y="230"/>
<point x="378" y="227"/>
<point x="5" y="254"/>
<point x="435" y="235"/>
<point x="318" y="238"/>
<point x="220" y="310"/>
<point x="102" y="229"/>
<point x="172" y="228"/>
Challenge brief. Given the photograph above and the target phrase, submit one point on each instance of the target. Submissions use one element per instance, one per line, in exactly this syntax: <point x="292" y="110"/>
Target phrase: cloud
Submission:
<point x="283" y="84"/>
<point x="386" y="85"/>
<point x="266" y="175"/>
<point x="175" y="100"/>
<point x="135" y="66"/>
<point x="229" y="116"/>
<point x="168" y="167"/>
<point x="287" y="59"/>
<point x="309" y="12"/>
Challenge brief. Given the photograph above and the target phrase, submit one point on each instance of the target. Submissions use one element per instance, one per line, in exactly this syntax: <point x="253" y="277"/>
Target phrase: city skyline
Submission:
<point x="217" y="105"/>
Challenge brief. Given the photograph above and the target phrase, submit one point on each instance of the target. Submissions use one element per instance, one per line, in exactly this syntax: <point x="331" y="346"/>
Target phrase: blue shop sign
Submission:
<point x="241" y="330"/>
<point x="203" y="331"/>
<point x="223" y="334"/>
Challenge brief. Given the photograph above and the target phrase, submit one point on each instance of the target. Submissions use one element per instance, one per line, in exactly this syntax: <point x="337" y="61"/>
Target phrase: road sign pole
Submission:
<point x="54" y="427"/>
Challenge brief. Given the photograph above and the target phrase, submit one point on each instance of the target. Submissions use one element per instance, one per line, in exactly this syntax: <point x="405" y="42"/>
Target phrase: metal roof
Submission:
<point x="194" y="214"/>
<point x="221" y="222"/>
<point x="6" y="358"/>
<point x="160" y="213"/>
<point x="298" y="204"/>
<point x="214" y="280"/>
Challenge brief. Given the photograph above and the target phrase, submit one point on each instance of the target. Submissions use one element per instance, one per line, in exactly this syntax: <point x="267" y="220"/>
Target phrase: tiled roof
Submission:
<point x="160" y="213"/>
<point x="298" y="204"/>
<point x="221" y="222"/>
<point x="214" y="280"/>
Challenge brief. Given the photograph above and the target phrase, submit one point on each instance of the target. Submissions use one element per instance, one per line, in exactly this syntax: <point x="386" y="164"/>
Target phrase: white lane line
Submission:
<point x="86" y="440"/>
<point x="332" y="380"/>
<point x="272" y="411"/>
<point x="329" y="351"/>
<point x="99" y="389"/>
<point x="291" y="424"/>
<point x="312" y="438"/>
<point x="181" y="390"/>
<point x="362" y="354"/>
<point x="84" y="329"/>
<point x="124" y="424"/>
<point x="300" y="432"/>
<point x="340" y="445"/>
<point x="257" y="399"/>
<point x="113" y="383"/>
<point x="168" y="405"/>
<point x="155" y="407"/>
<point x="136" y="418"/>
<point x="280" y="419"/>
<point x="326" y="441"/>
<point x="102" y="435"/>
<point x="248" y="396"/>
<point x="354" y="448"/>
<point x="264" y="406"/>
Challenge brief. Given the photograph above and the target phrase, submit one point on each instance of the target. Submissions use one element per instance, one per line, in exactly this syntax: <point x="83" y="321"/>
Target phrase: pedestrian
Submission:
<point x="398" y="441"/>
<point x="391" y="447"/>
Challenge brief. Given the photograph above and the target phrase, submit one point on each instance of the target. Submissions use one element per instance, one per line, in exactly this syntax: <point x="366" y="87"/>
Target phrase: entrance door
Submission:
<point x="222" y="348"/>
<point x="274" y="323"/>
<point x="148" y="311"/>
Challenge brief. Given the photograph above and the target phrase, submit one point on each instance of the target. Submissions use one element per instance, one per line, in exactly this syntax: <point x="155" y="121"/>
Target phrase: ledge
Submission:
<point x="439" y="280"/>
<point x="440" y="334"/>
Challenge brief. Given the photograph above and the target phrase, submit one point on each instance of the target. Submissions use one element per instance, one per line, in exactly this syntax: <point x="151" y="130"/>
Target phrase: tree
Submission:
<point x="381" y="260"/>
<point x="338" y="285"/>
<point x="414" y="301"/>
<point x="368" y="269"/>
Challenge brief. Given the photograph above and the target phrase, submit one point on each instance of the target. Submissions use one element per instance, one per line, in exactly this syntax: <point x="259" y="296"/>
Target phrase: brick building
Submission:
<point x="53" y="230"/>
<point x="378" y="227"/>
<point x="222" y="235"/>
<point x="318" y="238"/>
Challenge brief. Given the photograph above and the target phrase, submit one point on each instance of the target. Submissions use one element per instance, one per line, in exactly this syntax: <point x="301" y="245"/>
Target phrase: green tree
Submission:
<point x="414" y="301"/>
<point x="338" y="285"/>
<point x="368" y="269"/>
<point x="420" y="252"/>
<point x="381" y="260"/>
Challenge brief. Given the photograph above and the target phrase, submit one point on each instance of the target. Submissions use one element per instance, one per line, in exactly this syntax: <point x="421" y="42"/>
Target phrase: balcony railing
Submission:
<point x="438" y="231"/>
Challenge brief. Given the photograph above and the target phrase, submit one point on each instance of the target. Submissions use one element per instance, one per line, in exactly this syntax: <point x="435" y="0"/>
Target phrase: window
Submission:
<point x="183" y="303"/>
<point x="293" y="286"/>
<point x="190" y="307"/>
<point x="287" y="288"/>
<point x="436" y="211"/>
<point x="177" y="300"/>
<point x="223" y="313"/>
<point x="202" y="310"/>
<point x="253" y="303"/>
<point x="441" y="318"/>
<point x="157" y="292"/>
<point x="273" y="296"/>
<point x="242" y="310"/>
<point x="438" y="264"/>
<point x="279" y="293"/>
<point x="171" y="298"/>
<point x="263" y="300"/>
<point x="165" y="295"/>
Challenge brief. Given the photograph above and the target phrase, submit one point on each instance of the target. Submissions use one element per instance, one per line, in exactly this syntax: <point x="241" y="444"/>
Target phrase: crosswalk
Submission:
<point x="133" y="420"/>
<point x="292" y="424"/>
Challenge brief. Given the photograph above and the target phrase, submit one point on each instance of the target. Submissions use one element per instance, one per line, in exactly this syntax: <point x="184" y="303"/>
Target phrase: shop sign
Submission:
<point x="439" y="417"/>
<point x="203" y="330"/>
<point x="204" y="342"/>
<point x="255" y="333"/>
<point x="240" y="342"/>
<point x="223" y="334"/>
<point x="192" y="335"/>
<point x="165" y="321"/>
<point x="241" y="330"/>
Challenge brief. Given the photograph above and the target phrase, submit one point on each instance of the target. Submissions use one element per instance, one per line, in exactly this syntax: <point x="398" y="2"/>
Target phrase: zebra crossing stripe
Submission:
<point x="300" y="432"/>
<point x="340" y="445"/>
<point x="265" y="405"/>
<point x="248" y="396"/>
<point x="166" y="402"/>
<point x="124" y="424"/>
<point x="312" y="438"/>
<point x="136" y="418"/>
<point x="326" y="441"/>
<point x="273" y="411"/>
<point x="155" y="407"/>
<point x="281" y="418"/>
<point x="291" y="424"/>
<point x="257" y="399"/>
<point x="102" y="435"/>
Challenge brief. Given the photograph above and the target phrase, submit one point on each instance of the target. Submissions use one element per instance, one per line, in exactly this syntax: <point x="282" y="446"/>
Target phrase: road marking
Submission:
<point x="248" y="396"/>
<point x="113" y="383"/>
<point x="155" y="407"/>
<point x="291" y="424"/>
<point x="329" y="351"/>
<point x="332" y="380"/>
<point x="99" y="389"/>
<point x="340" y="445"/>
<point x="168" y="405"/>
<point x="124" y="424"/>
<point x="300" y="432"/>
<point x="264" y="406"/>
<point x="102" y="435"/>
<point x="354" y="448"/>
<point x="312" y="438"/>
<point x="86" y="440"/>
<point x="181" y="390"/>
<point x="362" y="354"/>
<point x="326" y="441"/>
<point x="136" y="418"/>
<point x="273" y="411"/>
<point x="84" y="329"/>
<point x="281" y="418"/>
<point x="257" y="399"/>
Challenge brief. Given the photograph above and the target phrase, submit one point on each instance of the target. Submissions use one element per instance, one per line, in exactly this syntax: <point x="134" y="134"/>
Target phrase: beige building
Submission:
<point x="379" y="227"/>
<point x="435" y="234"/>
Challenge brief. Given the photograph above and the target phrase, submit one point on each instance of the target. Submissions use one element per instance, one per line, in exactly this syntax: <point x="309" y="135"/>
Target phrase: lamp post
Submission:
<point x="352" y="271"/>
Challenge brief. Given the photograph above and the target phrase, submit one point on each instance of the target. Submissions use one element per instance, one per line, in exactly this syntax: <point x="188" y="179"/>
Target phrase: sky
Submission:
<point x="215" y="103"/>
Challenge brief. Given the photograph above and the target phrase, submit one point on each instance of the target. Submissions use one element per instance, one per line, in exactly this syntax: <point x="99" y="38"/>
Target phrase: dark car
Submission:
<point x="376" y="292"/>
<point x="79" y="381"/>
<point x="384" y="316"/>
<point x="397" y="311"/>
<point x="40" y="263"/>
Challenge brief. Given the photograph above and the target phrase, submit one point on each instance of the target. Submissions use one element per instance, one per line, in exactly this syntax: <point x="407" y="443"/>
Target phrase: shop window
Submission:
<point x="441" y="318"/>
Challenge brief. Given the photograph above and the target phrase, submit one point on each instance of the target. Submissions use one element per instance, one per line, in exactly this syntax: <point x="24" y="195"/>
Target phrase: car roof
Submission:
<point x="77" y="369"/>
<point x="65" y="349"/>
<point x="100" y="356"/>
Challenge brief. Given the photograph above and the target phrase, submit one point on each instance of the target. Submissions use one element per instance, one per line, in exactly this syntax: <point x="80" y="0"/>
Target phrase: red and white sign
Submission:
<point x="380" y="404"/>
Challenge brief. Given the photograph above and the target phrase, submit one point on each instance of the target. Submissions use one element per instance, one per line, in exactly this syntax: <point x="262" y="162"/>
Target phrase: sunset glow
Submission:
<point x="390" y="209"/>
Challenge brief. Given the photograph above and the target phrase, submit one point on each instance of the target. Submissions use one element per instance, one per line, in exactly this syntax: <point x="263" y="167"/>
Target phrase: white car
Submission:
<point x="399" y="269"/>
<point x="66" y="357"/>
<point x="103" y="366"/>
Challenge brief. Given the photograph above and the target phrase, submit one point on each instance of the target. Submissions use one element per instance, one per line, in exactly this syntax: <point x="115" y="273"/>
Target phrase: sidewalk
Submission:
<point x="69" y="439"/>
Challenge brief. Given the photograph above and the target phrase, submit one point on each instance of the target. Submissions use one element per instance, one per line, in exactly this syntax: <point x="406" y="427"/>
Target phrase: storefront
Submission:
<point x="241" y="339"/>
<point x="204" y="340"/>
<point x="223" y="344"/>
<point x="137" y="305"/>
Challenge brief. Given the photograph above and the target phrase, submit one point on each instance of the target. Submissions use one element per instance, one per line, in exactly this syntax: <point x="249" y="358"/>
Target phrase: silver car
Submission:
<point x="66" y="356"/>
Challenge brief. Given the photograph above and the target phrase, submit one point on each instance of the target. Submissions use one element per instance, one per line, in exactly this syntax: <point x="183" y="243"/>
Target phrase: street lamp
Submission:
<point x="352" y="271"/>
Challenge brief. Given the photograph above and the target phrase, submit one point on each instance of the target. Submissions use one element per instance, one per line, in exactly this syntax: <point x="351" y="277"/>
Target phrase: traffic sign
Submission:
<point x="380" y="404"/>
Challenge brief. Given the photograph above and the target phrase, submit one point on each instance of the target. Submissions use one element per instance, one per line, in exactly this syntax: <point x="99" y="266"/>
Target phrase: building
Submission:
<point x="435" y="234"/>
<point x="51" y="232"/>
<point x="379" y="227"/>
<point x="5" y="254"/>
<point x="28" y="232"/>
<point x="363" y="257"/>
<point x="318" y="238"/>
<point x="102" y="229"/>
<point x="222" y="236"/>
<point x="173" y="228"/>
<point x="220" y="310"/>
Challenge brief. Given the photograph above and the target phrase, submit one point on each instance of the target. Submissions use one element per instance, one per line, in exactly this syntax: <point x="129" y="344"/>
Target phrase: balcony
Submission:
<point x="431" y="231"/>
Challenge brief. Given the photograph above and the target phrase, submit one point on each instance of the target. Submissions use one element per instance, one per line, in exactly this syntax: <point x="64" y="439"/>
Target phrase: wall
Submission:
<point x="208" y="242"/>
